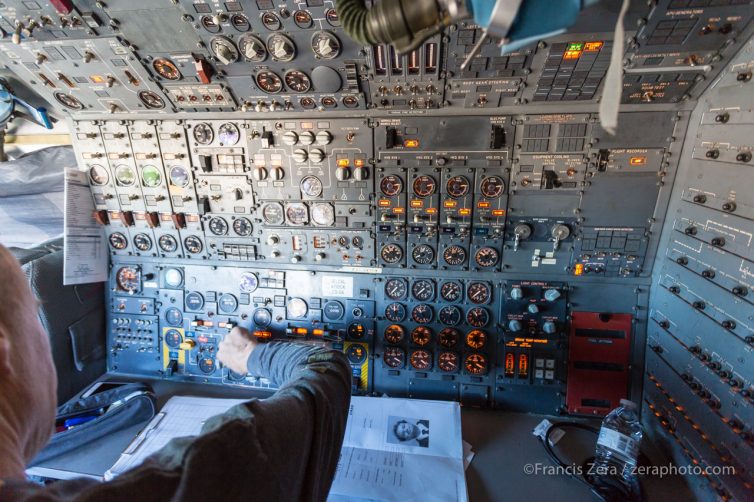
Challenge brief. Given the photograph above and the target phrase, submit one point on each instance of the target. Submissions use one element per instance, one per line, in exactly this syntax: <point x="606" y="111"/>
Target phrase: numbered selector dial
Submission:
<point x="447" y="362"/>
<point x="394" y="333"/>
<point x="396" y="289"/>
<point x="395" y="312"/>
<point x="421" y="336"/>
<point x="422" y="314"/>
<point x="492" y="187"/>
<point x="486" y="257"/>
<point x="454" y="255"/>
<point x="423" y="254"/>
<point x="421" y="360"/>
<point x="281" y="48"/>
<point x="424" y="186"/>
<point x="297" y="81"/>
<point x="458" y="186"/>
<point x="325" y="45"/>
<point x="252" y="48"/>
<point x="394" y="357"/>
<point x="392" y="253"/>
<point x="269" y="82"/>
<point x="475" y="364"/>
<point x="391" y="185"/>
<point x="423" y="290"/>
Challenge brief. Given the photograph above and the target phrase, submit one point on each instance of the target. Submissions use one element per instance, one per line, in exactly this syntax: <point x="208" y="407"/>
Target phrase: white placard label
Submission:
<point x="338" y="286"/>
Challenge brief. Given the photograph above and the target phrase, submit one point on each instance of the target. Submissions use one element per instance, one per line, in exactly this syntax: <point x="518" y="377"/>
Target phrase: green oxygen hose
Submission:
<point x="354" y="16"/>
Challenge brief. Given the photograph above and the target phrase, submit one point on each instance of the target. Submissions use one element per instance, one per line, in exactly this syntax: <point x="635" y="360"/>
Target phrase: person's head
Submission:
<point x="28" y="383"/>
<point x="405" y="431"/>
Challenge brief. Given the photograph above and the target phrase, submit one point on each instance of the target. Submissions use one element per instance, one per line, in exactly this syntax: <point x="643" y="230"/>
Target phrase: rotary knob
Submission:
<point x="532" y="308"/>
<point x="517" y="293"/>
<point x="300" y="156"/>
<point x="295" y="258"/>
<point x="360" y="173"/>
<point x="277" y="173"/>
<point x="343" y="173"/>
<point x="316" y="155"/>
<point x="552" y="294"/>
<point x="273" y="240"/>
<point x="319" y="256"/>
<point x="549" y="327"/>
<point x="324" y="138"/>
<point x="514" y="326"/>
<point x="290" y="138"/>
<point x="306" y="138"/>
<point x="260" y="173"/>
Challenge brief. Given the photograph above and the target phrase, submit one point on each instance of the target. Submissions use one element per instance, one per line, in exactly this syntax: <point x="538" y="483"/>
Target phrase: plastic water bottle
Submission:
<point x="618" y="444"/>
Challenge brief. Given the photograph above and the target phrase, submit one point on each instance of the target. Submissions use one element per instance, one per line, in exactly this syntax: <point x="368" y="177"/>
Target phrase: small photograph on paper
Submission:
<point x="408" y="431"/>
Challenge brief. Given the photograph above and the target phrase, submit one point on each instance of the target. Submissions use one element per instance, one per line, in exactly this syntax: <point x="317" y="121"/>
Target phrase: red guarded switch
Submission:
<point x="203" y="71"/>
<point x="62" y="6"/>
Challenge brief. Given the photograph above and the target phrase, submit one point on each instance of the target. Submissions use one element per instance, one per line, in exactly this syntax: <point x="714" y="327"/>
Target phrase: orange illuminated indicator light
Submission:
<point x="343" y="163"/>
<point x="637" y="161"/>
<point x="483" y="205"/>
<point x="359" y="162"/>
<point x="592" y="46"/>
<point x="578" y="269"/>
<point x="208" y="324"/>
<point x="523" y="365"/>
<point x="411" y="143"/>
<point x="498" y="212"/>
<point x="450" y="203"/>
<point x="432" y="210"/>
<point x="166" y="216"/>
<point x="301" y="331"/>
<point x="192" y="218"/>
<point x="318" y="332"/>
<point x="399" y="210"/>
<point x="263" y="335"/>
<point x="510" y="364"/>
<point x="384" y="202"/>
<point x="417" y="203"/>
<point x="464" y="211"/>
<point x="97" y="79"/>
<point x="572" y="55"/>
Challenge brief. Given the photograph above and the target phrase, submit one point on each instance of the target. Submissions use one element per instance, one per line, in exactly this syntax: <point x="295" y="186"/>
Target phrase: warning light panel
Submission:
<point x="411" y="143"/>
<point x="510" y="364"/>
<point x="523" y="366"/>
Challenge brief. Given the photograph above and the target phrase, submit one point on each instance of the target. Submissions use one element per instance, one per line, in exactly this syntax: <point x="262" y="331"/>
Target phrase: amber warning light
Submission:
<point x="637" y="161"/>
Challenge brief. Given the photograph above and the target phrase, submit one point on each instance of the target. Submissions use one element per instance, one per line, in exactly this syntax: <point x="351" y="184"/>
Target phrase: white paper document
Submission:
<point x="86" y="252"/>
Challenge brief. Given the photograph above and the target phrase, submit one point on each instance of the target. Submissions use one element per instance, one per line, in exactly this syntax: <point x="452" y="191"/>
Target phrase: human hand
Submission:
<point x="235" y="349"/>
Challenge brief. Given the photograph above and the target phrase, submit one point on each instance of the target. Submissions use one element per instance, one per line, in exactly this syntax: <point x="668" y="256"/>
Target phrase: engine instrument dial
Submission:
<point x="128" y="279"/>
<point x="118" y="240"/>
<point x="422" y="314"/>
<point x="228" y="134"/>
<point x="424" y="186"/>
<point x="395" y="289"/>
<point x="203" y="133"/>
<point x="475" y="364"/>
<point x="454" y="255"/>
<point x="218" y="226"/>
<point x="296" y="214"/>
<point x="394" y="357"/>
<point x="451" y="291"/>
<point x="478" y="317"/>
<point x="311" y="186"/>
<point x="450" y="315"/>
<point x="325" y="45"/>
<point x="395" y="312"/>
<point x="421" y="360"/>
<point x="391" y="185"/>
<point x="492" y="187"/>
<point x="168" y="243"/>
<point x="173" y="316"/>
<point x="142" y="242"/>
<point x="281" y="48"/>
<point x="151" y="100"/>
<point x="273" y="214"/>
<point x="193" y="244"/>
<point x="302" y="19"/>
<point x="298" y="81"/>
<point x="166" y="69"/>
<point x="458" y="186"/>
<point x="421" y="336"/>
<point x="476" y="339"/>
<point x="423" y="290"/>
<point x="252" y="48"/>
<point x="194" y="301"/>
<point x="486" y="257"/>
<point x="224" y="50"/>
<point x="447" y="361"/>
<point x="423" y="254"/>
<point x="479" y="293"/>
<point x="242" y="227"/>
<point x="271" y="21"/>
<point x="356" y="331"/>
<point x="269" y="82"/>
<point x="323" y="214"/>
<point x="173" y="338"/>
<point x="392" y="253"/>
<point x="207" y="365"/>
<point x="394" y="333"/>
<point x="449" y="337"/>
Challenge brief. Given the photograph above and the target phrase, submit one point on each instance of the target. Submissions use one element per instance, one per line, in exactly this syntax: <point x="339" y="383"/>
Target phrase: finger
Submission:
<point x="241" y="334"/>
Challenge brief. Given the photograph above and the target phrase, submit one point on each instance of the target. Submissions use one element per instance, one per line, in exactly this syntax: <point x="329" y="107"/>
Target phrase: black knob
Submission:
<point x="700" y="199"/>
<point x="715" y="365"/>
<point x="722" y="118"/>
<point x="744" y="76"/>
<point x="674" y="289"/>
<point x="712" y="154"/>
<point x="690" y="230"/>
<point x="718" y="242"/>
<point x="682" y="260"/>
<point x="708" y="274"/>
<point x="664" y="324"/>
<point x="729" y="206"/>
<point x="699" y="305"/>
<point x="744" y="157"/>
<point x="740" y="291"/>
<point x="728" y="324"/>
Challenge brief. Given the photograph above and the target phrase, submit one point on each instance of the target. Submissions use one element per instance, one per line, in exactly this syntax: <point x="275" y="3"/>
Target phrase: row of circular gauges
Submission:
<point x="228" y="134"/>
<point x="448" y="338"/>
<point x="424" y="290"/>
<point x="457" y="186"/>
<point x="166" y="242"/>
<point x="303" y="19"/>
<point x="454" y="255"/>
<point x="450" y="315"/>
<point x="151" y="176"/>
<point x="422" y="360"/>
<point x="298" y="214"/>
<point x="149" y="99"/>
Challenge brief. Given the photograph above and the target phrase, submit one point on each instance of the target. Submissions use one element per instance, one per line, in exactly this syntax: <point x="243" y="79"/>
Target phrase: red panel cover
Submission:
<point x="598" y="362"/>
<point x="62" y="6"/>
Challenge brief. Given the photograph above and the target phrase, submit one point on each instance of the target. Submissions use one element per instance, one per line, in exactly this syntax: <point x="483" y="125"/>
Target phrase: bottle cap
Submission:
<point x="628" y="404"/>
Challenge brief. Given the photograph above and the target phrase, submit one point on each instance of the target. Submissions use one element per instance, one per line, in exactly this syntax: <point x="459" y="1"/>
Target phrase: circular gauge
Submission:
<point x="323" y="214"/>
<point x="249" y="282"/>
<point x="218" y="226"/>
<point x="392" y="253"/>
<point x="424" y="186"/>
<point x="166" y="69"/>
<point x="262" y="318"/>
<point x="98" y="175"/>
<point x="203" y="133"/>
<point x="329" y="102"/>
<point x="210" y="25"/>
<point x="151" y="100"/>
<point x="421" y="336"/>
<point x="334" y="310"/>
<point x="447" y="362"/>
<point x="224" y="50"/>
<point x="394" y="357"/>
<point x="167" y="243"/>
<point x="395" y="289"/>
<point x="142" y="242"/>
<point x="476" y="339"/>
<point x="252" y="48"/>
<point x="207" y="365"/>
<point x="391" y="185"/>
<point x="297" y="308"/>
<point x="450" y="315"/>
<point x="492" y="187"/>
<point x="479" y="293"/>
<point x="68" y="101"/>
<point x="394" y="333"/>
<point x="193" y="244"/>
<point x="395" y="312"/>
<point x="449" y="337"/>
<point x="451" y="291"/>
<point x="486" y="257"/>
<point x="307" y="103"/>
<point x="270" y="21"/>
<point x="297" y="81"/>
<point x="269" y="82"/>
<point x="179" y="176"/>
<point x="478" y="317"/>
<point x="356" y="354"/>
<point x="151" y="176"/>
<point x="194" y="301"/>
<point x="423" y="290"/>
<point x="240" y="22"/>
<point x="311" y="186"/>
<point x="423" y="254"/>
<point x="421" y="360"/>
<point x="227" y="303"/>
<point x="422" y="314"/>
<point x="325" y="45"/>
<point x="118" y="240"/>
<point x="228" y="134"/>
<point x="273" y="214"/>
<point x="458" y="186"/>
<point x="242" y="227"/>
<point x="302" y="19"/>
<point x="173" y="278"/>
<point x="129" y="279"/>
<point x="350" y="101"/>
<point x="296" y="214"/>
<point x="454" y="255"/>
<point x="332" y="17"/>
<point x="281" y="48"/>
<point x="173" y="316"/>
<point x="356" y="331"/>
<point x="173" y="338"/>
<point x="125" y="176"/>
<point x="475" y="364"/>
